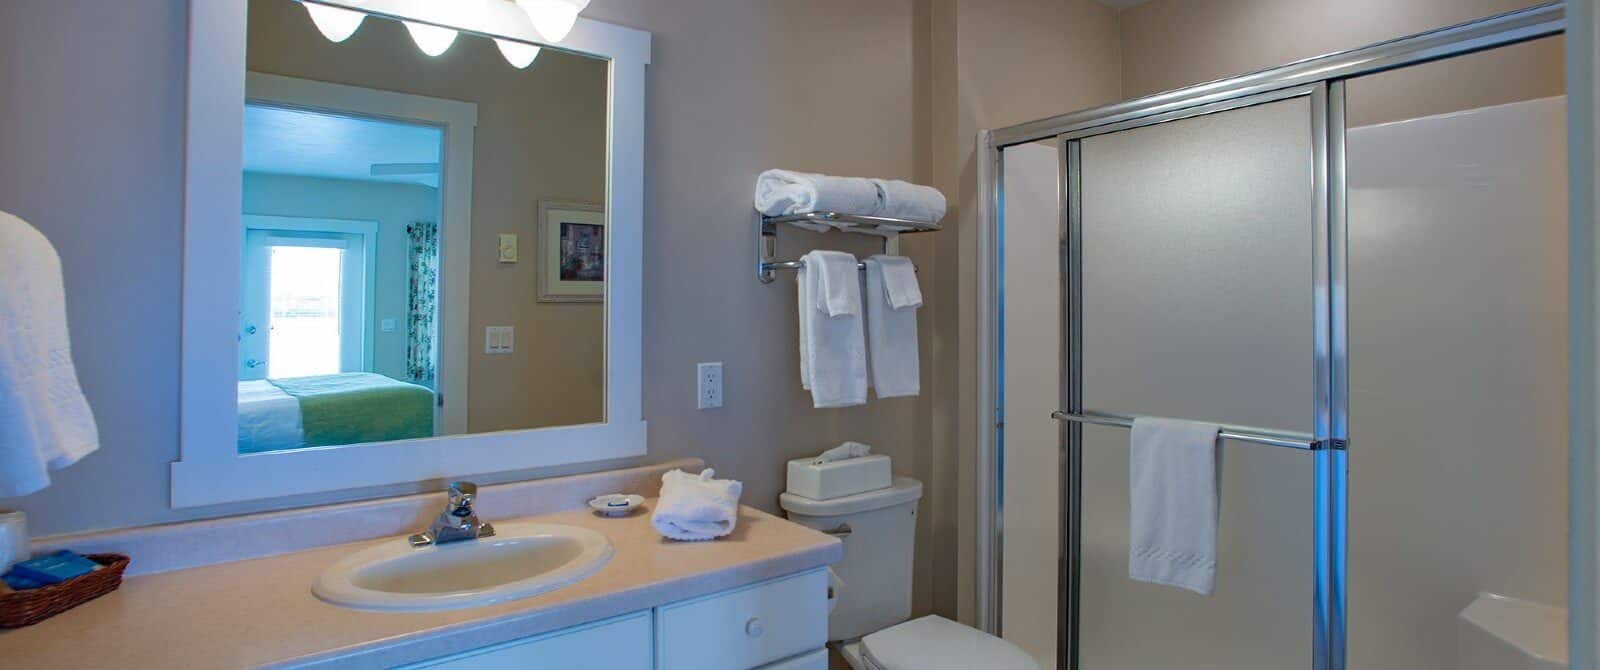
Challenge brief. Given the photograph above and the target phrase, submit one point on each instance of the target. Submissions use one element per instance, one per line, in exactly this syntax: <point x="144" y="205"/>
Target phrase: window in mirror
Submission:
<point x="374" y="258"/>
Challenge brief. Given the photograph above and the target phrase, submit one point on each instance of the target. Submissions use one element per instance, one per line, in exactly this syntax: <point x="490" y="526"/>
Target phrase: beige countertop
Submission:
<point x="261" y="613"/>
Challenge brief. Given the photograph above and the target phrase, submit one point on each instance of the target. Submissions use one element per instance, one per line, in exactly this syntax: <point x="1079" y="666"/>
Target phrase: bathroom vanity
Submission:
<point x="756" y="599"/>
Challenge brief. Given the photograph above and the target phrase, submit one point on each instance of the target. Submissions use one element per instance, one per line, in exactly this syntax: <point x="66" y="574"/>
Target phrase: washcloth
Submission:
<point x="892" y="300"/>
<point x="833" y="349"/>
<point x="843" y="452"/>
<point x="45" y="421"/>
<point x="696" y="507"/>
<point x="1172" y="470"/>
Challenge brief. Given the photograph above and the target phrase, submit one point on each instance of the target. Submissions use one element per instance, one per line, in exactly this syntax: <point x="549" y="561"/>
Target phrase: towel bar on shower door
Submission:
<point x="1240" y="433"/>
<point x="767" y="262"/>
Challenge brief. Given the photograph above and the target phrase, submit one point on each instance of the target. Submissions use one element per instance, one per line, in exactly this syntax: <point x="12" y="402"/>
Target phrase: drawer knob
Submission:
<point x="754" y="628"/>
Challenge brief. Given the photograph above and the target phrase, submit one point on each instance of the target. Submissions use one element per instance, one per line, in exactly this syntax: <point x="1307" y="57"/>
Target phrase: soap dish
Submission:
<point x="616" y="504"/>
<point x="28" y="607"/>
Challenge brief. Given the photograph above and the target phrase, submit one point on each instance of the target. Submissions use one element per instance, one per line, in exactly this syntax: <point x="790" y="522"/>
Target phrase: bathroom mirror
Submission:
<point x="374" y="175"/>
<point x="426" y="264"/>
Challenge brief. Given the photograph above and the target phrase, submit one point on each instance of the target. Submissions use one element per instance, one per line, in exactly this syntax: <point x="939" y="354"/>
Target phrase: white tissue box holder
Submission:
<point x="839" y="478"/>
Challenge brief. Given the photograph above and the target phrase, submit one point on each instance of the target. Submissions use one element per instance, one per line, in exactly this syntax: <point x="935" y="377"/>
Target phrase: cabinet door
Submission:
<point x="622" y="643"/>
<point x="745" y="628"/>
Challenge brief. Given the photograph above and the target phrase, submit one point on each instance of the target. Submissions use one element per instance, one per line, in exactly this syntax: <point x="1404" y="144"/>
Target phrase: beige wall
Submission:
<point x="541" y="135"/>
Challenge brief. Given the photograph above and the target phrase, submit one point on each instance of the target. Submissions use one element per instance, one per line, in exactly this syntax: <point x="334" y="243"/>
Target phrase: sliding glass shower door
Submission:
<point x="1198" y="302"/>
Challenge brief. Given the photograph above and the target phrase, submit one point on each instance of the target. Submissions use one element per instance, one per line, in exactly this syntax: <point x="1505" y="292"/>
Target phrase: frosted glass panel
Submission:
<point x="1197" y="285"/>
<point x="1458" y="353"/>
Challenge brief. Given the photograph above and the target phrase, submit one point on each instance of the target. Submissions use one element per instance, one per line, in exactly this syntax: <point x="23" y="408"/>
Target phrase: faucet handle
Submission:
<point x="461" y="495"/>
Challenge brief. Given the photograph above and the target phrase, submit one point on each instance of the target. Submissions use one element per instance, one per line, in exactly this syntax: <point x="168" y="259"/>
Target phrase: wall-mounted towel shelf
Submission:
<point x="767" y="262"/>
<point x="1241" y="433"/>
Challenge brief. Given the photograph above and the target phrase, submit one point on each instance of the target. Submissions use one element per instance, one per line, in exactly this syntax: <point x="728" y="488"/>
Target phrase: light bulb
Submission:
<point x="336" y="23"/>
<point x="432" y="40"/>
<point x="520" y="55"/>
<point x="553" y="18"/>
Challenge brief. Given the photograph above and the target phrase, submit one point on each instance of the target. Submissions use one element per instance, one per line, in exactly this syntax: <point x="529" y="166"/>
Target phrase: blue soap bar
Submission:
<point x="18" y="582"/>
<point x="53" y="568"/>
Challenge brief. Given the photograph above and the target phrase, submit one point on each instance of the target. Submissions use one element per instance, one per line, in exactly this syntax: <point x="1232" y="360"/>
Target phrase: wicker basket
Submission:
<point x="25" y="608"/>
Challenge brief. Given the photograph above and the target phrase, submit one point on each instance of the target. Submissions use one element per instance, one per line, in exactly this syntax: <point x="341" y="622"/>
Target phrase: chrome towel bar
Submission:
<point x="1240" y="433"/>
<point x="767" y="262"/>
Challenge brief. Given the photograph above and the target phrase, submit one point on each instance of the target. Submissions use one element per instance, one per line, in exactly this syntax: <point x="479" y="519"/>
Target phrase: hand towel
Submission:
<point x="1173" y="483"/>
<point x="833" y="349"/>
<point x="696" y="507"/>
<point x="780" y="192"/>
<point x="45" y="421"/>
<point x="892" y="330"/>
<point x="843" y="452"/>
<point x="904" y="200"/>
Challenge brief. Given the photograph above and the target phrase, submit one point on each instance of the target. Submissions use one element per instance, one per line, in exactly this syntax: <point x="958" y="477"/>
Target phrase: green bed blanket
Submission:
<point x="357" y="407"/>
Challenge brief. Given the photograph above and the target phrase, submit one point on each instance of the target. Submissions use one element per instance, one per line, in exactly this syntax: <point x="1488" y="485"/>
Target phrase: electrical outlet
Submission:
<point x="708" y="378"/>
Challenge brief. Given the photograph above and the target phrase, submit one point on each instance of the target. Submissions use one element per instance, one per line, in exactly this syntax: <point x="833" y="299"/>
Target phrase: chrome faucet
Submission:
<point x="457" y="522"/>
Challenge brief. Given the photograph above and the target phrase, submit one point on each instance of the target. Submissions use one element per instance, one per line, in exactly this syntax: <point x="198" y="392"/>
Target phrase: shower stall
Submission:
<point x="1356" y="264"/>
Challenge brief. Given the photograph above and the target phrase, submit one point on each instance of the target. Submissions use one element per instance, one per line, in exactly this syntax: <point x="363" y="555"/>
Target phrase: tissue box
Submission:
<point x="839" y="478"/>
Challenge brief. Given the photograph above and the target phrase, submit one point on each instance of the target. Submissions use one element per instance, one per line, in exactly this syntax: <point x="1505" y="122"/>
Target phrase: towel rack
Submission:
<point x="1240" y="433"/>
<point x="767" y="263"/>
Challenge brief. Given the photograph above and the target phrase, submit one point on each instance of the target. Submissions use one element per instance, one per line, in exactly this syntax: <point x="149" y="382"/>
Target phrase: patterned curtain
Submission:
<point x="423" y="307"/>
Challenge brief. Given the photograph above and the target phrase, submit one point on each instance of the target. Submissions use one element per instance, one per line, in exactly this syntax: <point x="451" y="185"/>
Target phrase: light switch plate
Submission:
<point x="499" y="339"/>
<point x="386" y="325"/>
<point x="708" y="385"/>
<point x="508" y="248"/>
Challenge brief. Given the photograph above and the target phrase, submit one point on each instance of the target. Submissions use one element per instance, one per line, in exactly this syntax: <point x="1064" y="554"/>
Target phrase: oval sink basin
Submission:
<point x="521" y="560"/>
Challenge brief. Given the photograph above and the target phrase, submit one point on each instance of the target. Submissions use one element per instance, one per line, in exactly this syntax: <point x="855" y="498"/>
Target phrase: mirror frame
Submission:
<point x="209" y="469"/>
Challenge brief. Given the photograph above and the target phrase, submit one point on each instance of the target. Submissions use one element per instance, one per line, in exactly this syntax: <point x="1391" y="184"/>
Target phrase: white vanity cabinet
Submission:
<point x="779" y="624"/>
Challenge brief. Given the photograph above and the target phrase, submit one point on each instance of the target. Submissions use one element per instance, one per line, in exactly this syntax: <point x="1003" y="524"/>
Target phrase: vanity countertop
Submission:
<point x="261" y="613"/>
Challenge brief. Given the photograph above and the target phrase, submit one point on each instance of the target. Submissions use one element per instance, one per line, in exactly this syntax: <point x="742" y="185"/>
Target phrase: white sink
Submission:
<point x="521" y="560"/>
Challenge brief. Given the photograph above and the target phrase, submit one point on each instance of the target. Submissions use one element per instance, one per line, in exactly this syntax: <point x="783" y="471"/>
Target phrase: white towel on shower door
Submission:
<point x="833" y="348"/>
<point x="1172" y="528"/>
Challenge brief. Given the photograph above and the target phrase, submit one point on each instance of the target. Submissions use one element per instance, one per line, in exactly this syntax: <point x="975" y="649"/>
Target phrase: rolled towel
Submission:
<point x="782" y="192"/>
<point x="843" y="452"/>
<point x="905" y="200"/>
<point x="696" y="507"/>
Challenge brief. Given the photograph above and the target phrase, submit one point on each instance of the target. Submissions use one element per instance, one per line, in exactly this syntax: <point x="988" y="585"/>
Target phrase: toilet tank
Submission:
<point x="878" y="529"/>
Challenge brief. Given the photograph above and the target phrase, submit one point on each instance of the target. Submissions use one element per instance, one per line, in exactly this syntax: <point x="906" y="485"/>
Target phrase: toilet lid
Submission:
<point x="934" y="643"/>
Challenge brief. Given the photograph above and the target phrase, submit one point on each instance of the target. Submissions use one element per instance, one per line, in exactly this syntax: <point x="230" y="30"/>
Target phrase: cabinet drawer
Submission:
<point x="622" y="643"/>
<point x="816" y="660"/>
<point x="746" y="628"/>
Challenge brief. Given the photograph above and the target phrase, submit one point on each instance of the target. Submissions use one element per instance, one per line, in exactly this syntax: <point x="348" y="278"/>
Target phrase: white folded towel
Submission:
<point x="904" y="200"/>
<point x="833" y="349"/>
<point x="892" y="300"/>
<point x="1172" y="467"/>
<point x="844" y="452"/>
<point x="780" y="192"/>
<point x="45" y="422"/>
<point x="696" y="507"/>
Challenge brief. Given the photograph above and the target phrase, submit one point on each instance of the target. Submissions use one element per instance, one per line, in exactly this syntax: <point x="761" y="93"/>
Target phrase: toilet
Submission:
<point x="868" y="623"/>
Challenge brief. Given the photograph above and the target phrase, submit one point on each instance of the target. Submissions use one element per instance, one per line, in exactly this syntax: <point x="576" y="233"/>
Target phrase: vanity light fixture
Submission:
<point x="553" y="18"/>
<point x="336" y="23"/>
<point x="432" y="40"/>
<point x="520" y="55"/>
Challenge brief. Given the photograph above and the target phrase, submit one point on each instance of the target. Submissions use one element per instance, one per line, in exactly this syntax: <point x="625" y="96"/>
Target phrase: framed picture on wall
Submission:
<point x="572" y="252"/>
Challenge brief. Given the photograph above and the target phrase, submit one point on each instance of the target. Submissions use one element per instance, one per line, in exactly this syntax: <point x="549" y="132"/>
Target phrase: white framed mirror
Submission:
<point x="370" y="246"/>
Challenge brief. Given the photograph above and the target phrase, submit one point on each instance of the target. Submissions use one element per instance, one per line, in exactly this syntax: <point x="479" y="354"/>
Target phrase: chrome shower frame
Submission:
<point x="1322" y="79"/>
